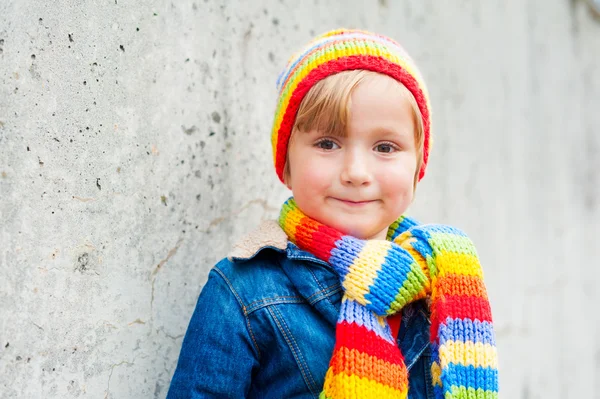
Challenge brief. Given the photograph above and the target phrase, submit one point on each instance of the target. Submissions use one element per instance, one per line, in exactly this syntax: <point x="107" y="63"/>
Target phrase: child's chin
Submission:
<point x="360" y="231"/>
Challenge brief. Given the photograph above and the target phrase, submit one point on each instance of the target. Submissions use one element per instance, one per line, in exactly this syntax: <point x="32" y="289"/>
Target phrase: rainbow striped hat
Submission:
<point x="334" y="52"/>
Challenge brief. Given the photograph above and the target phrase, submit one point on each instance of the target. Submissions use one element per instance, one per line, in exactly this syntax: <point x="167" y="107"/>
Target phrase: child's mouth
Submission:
<point x="353" y="203"/>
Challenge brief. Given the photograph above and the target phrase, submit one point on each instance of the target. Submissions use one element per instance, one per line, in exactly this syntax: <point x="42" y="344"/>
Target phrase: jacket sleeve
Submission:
<point x="218" y="354"/>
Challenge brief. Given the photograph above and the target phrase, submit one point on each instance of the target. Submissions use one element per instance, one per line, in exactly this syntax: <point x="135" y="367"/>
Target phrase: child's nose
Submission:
<point x="356" y="169"/>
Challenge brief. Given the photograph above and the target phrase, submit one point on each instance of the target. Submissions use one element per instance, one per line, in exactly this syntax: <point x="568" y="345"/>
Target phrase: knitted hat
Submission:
<point x="337" y="51"/>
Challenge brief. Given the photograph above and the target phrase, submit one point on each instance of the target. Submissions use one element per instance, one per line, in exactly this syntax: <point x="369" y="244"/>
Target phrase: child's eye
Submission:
<point x="386" y="148"/>
<point x="326" y="145"/>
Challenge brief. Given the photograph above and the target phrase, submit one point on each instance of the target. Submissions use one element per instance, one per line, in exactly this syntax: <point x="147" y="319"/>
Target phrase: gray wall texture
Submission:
<point x="134" y="150"/>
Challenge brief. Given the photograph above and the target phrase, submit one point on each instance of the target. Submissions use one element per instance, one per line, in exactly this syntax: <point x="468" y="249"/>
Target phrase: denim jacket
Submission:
<point x="264" y="326"/>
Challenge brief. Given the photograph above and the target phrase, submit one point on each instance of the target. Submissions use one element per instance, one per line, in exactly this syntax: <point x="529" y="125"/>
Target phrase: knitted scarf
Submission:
<point x="379" y="278"/>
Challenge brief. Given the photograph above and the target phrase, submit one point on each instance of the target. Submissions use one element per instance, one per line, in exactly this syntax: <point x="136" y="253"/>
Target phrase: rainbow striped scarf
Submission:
<point x="379" y="278"/>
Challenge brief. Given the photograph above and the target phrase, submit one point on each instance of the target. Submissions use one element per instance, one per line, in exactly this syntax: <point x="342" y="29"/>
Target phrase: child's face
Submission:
<point x="361" y="183"/>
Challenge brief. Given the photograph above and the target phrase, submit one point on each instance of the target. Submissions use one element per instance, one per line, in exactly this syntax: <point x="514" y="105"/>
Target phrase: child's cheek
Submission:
<point x="396" y="182"/>
<point x="317" y="174"/>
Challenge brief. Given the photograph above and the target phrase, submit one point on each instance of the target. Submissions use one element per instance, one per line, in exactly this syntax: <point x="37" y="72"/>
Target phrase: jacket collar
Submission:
<point x="268" y="235"/>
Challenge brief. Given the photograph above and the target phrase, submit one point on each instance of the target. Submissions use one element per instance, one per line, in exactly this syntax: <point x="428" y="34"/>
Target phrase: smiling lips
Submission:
<point x="353" y="203"/>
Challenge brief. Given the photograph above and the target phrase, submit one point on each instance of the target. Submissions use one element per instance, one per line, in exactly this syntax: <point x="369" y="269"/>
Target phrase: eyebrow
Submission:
<point x="385" y="131"/>
<point x="324" y="133"/>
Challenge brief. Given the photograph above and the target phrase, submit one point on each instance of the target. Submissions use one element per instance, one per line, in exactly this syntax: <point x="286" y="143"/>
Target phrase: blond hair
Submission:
<point x="326" y="107"/>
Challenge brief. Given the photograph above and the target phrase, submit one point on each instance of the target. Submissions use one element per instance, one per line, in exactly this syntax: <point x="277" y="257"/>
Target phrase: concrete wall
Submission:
<point x="134" y="149"/>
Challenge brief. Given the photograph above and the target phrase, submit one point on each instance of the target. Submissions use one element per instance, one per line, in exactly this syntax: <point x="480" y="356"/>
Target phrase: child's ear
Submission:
<point x="286" y="175"/>
<point x="287" y="182"/>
